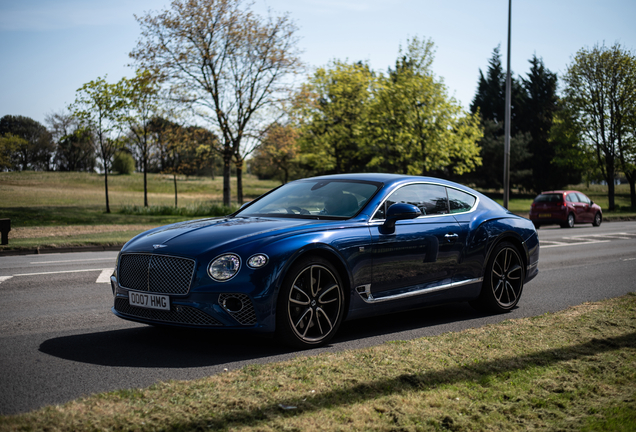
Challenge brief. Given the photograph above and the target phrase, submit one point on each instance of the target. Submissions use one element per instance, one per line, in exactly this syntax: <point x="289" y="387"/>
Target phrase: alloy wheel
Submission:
<point x="506" y="278"/>
<point x="314" y="304"/>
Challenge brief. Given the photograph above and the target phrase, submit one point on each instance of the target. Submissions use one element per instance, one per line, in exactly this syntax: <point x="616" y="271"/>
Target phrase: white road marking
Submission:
<point x="559" y="244"/>
<point x="68" y="261"/>
<point x="5" y="278"/>
<point x="104" y="276"/>
<point x="585" y="239"/>
<point x="63" y="271"/>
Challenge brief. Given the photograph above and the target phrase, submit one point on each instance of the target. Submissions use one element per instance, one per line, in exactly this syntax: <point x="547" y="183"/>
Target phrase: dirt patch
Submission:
<point x="72" y="230"/>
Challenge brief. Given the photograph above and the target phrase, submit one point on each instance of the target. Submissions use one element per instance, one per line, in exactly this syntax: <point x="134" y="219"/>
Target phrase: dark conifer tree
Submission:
<point x="540" y="108"/>
<point x="490" y="100"/>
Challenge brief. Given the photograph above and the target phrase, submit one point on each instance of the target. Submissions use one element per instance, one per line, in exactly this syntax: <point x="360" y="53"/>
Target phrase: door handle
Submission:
<point x="451" y="237"/>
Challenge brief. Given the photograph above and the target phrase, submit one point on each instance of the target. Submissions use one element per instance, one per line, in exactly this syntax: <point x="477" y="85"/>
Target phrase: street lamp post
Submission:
<point x="506" y="179"/>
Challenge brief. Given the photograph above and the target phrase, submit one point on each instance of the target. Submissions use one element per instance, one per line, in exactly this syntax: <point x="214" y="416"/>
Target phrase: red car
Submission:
<point x="565" y="208"/>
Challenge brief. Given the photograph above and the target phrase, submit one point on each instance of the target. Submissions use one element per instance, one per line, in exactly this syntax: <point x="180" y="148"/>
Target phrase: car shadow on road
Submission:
<point x="154" y="347"/>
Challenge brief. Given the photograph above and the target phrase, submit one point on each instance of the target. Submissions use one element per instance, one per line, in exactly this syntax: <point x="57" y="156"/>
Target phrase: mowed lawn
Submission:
<point x="77" y="200"/>
<point x="37" y="189"/>
<point x="39" y="203"/>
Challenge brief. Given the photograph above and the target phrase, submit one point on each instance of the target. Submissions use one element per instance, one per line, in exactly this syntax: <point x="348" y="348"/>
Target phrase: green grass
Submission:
<point x="49" y="199"/>
<point x="54" y="189"/>
<point x="571" y="370"/>
<point x="117" y="238"/>
<point x="43" y="216"/>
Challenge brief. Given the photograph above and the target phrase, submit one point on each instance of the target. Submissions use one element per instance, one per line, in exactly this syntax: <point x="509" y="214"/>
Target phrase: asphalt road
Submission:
<point x="59" y="340"/>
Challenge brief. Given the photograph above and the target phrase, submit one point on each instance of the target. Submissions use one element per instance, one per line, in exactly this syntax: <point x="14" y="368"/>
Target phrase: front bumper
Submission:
<point x="194" y="310"/>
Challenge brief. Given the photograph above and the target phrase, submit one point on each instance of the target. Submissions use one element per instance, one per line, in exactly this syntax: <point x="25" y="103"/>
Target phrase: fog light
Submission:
<point x="232" y="304"/>
<point x="257" y="261"/>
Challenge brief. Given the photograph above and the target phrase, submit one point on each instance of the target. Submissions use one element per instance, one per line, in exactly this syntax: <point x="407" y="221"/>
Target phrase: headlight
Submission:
<point x="116" y="264"/>
<point x="224" y="267"/>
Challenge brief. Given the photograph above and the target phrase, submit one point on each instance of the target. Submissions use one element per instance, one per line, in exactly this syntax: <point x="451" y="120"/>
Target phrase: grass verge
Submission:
<point x="572" y="370"/>
<point x="109" y="238"/>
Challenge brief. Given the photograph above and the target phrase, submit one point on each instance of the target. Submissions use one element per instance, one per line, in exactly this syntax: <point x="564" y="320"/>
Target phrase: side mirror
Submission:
<point x="399" y="211"/>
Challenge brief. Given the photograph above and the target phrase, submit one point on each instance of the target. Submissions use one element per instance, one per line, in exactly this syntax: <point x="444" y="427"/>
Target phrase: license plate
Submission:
<point x="149" y="301"/>
<point x="545" y="215"/>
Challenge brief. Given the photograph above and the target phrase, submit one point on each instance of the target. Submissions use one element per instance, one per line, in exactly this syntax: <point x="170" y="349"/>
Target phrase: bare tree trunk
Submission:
<point x="226" y="179"/>
<point x="611" y="189"/>
<point x="106" y="188"/>
<point x="239" y="181"/>
<point x="145" y="185"/>
<point x="631" y="178"/>
<point x="174" y="177"/>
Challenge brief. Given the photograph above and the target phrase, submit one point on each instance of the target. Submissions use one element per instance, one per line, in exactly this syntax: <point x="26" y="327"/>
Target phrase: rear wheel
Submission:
<point x="569" y="223"/>
<point x="597" y="220"/>
<point x="311" y="304"/>
<point x="503" y="280"/>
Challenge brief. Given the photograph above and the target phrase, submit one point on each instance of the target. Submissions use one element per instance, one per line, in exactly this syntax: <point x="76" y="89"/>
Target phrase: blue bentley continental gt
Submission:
<point x="306" y="256"/>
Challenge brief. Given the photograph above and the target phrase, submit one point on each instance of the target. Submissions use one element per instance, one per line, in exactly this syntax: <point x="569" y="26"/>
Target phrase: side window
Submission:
<point x="570" y="198"/>
<point x="460" y="201"/>
<point x="583" y="198"/>
<point x="430" y="199"/>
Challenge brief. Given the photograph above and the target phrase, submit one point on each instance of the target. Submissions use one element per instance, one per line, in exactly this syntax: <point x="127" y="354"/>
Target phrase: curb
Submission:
<point x="40" y="251"/>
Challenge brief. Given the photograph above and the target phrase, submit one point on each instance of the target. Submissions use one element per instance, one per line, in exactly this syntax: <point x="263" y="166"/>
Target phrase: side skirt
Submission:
<point x="365" y="291"/>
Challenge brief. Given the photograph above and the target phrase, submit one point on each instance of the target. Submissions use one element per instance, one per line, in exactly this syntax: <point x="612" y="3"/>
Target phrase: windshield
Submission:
<point x="314" y="198"/>
<point x="549" y="198"/>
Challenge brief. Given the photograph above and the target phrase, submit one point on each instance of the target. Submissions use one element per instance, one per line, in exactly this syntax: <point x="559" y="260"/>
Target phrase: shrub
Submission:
<point x="193" y="210"/>
<point x="123" y="163"/>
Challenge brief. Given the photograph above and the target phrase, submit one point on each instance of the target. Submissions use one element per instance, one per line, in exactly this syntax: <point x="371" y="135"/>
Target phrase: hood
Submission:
<point x="191" y="238"/>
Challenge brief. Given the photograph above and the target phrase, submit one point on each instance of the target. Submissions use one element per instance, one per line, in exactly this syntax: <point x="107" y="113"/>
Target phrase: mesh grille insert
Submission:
<point x="179" y="314"/>
<point x="156" y="273"/>
<point x="245" y="316"/>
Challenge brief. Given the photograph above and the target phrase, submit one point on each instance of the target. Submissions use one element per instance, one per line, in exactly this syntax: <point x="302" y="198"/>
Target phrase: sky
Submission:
<point x="50" y="48"/>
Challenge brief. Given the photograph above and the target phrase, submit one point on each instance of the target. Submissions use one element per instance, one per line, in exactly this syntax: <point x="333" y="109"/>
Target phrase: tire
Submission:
<point x="569" y="223"/>
<point x="310" y="304"/>
<point x="598" y="219"/>
<point x="503" y="280"/>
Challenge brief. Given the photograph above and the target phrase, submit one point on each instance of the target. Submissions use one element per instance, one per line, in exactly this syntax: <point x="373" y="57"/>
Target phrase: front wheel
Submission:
<point x="311" y="304"/>
<point x="597" y="220"/>
<point x="503" y="280"/>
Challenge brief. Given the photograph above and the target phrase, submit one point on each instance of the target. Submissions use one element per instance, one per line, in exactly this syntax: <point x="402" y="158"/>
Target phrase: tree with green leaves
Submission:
<point x="222" y="58"/>
<point x="334" y="111"/>
<point x="415" y="127"/>
<point x="35" y="147"/>
<point x="98" y="106"/>
<point x="572" y="157"/>
<point x="600" y="90"/>
<point x="140" y="99"/>
<point x="277" y="156"/>
<point x="74" y="143"/>
<point x="9" y="146"/>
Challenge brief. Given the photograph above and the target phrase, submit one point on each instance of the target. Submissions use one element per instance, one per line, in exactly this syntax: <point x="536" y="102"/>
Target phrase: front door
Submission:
<point x="421" y="253"/>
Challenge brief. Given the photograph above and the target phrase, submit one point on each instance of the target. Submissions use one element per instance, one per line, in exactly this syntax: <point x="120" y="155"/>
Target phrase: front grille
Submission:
<point x="246" y="315"/>
<point x="155" y="273"/>
<point x="179" y="314"/>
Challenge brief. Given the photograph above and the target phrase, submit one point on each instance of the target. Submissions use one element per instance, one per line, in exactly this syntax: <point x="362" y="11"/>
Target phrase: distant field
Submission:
<point x="76" y="200"/>
<point x="37" y="189"/>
